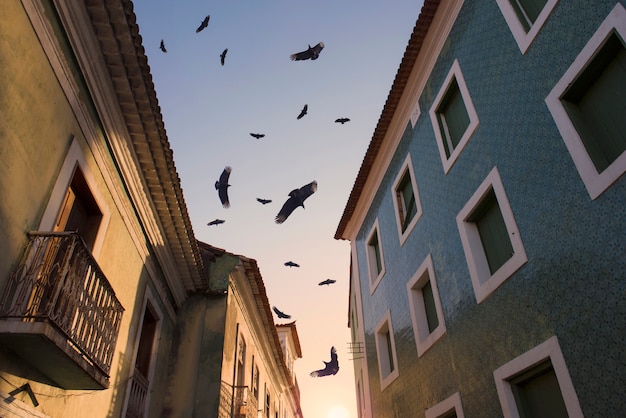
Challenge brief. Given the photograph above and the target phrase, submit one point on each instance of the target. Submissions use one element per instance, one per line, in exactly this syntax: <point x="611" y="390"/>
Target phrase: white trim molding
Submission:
<point x="383" y="328"/>
<point x="548" y="350"/>
<point x="424" y="338"/>
<point x="374" y="279"/>
<point x="595" y="182"/>
<point x="483" y="281"/>
<point x="443" y="408"/>
<point x="454" y="74"/>
<point x="525" y="38"/>
<point x="407" y="166"/>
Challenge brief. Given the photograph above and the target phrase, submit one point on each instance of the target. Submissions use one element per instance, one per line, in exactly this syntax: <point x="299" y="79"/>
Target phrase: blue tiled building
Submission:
<point x="488" y="220"/>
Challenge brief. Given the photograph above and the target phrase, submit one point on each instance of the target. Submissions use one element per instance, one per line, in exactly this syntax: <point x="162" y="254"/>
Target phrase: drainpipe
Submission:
<point x="232" y="398"/>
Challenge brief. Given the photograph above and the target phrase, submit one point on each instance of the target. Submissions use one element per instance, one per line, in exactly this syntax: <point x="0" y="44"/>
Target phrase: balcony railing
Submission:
<point x="137" y="397"/>
<point x="237" y="402"/>
<point x="58" y="290"/>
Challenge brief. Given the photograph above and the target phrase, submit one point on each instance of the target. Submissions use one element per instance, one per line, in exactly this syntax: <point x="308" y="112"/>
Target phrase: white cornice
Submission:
<point x="434" y="40"/>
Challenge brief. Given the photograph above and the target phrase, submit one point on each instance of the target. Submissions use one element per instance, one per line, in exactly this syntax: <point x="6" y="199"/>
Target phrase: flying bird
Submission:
<point x="204" y="24"/>
<point x="303" y="111"/>
<point x="296" y="198"/>
<point x="327" y="282"/>
<point x="257" y="136"/>
<point x="280" y="314"/>
<point x="309" y="54"/>
<point x="331" y="367"/>
<point x="223" y="56"/>
<point x="162" y="46"/>
<point x="291" y="264"/>
<point x="216" y="222"/>
<point x="222" y="186"/>
<point x="342" y="120"/>
<point x="264" y="201"/>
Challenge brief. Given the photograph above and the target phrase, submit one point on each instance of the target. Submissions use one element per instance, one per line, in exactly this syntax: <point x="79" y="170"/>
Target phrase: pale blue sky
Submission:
<point x="209" y="111"/>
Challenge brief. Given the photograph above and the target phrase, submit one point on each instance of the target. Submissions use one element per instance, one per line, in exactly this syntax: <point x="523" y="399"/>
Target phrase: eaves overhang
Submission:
<point x="407" y="64"/>
<point x="115" y="27"/>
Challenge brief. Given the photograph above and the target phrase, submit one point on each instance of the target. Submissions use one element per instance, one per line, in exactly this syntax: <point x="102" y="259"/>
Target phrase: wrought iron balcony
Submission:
<point x="237" y="402"/>
<point x="60" y="313"/>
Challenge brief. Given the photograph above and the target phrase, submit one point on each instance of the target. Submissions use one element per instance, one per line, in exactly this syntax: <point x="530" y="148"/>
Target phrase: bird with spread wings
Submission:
<point x="222" y="186"/>
<point x="296" y="198"/>
<point x="311" y="53"/>
<point x="280" y="314"/>
<point x="331" y="367"/>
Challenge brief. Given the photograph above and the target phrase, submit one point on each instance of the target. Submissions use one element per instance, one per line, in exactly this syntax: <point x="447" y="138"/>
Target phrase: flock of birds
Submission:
<point x="296" y="196"/>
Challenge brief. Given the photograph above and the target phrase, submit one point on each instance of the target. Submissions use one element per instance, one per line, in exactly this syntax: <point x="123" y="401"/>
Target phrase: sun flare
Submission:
<point x="338" y="412"/>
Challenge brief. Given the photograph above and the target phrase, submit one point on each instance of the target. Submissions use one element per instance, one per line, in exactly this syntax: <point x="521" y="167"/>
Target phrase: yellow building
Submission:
<point x="102" y="282"/>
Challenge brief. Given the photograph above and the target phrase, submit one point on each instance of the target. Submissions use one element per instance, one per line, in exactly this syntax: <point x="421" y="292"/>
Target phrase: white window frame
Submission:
<point x="452" y="403"/>
<point x="454" y="74"/>
<point x="385" y="326"/>
<point x="595" y="183"/>
<point x="424" y="339"/>
<point x="371" y="258"/>
<point x="525" y="39"/>
<point x="483" y="281"/>
<point x="407" y="165"/>
<point x="548" y="350"/>
<point x="74" y="158"/>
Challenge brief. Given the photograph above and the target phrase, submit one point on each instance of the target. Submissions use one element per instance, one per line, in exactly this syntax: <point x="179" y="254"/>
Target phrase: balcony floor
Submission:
<point x="52" y="354"/>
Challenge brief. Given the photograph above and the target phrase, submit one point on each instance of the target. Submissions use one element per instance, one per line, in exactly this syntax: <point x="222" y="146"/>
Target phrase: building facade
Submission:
<point x="487" y="220"/>
<point x="101" y="278"/>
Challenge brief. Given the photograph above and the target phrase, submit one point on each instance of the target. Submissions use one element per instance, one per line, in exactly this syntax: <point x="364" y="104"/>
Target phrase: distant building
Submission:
<point x="487" y="222"/>
<point x="108" y="303"/>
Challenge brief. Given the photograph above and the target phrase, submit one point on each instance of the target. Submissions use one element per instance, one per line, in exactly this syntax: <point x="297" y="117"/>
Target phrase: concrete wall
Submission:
<point x="38" y="130"/>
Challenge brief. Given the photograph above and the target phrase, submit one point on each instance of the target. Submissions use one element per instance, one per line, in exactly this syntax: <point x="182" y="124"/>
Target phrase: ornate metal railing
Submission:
<point x="58" y="281"/>
<point x="237" y="402"/>
<point x="137" y="397"/>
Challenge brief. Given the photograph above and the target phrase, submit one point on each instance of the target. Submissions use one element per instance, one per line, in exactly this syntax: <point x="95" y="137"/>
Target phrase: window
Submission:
<point x="406" y="200"/>
<point x="75" y="203"/>
<point x="537" y="384"/>
<point x="449" y="408"/>
<point x="453" y="117"/>
<point x="79" y="210"/>
<point x="526" y="18"/>
<point x="255" y="379"/>
<point x="267" y="402"/>
<point x="588" y="106"/>
<point x="138" y="390"/>
<point x="490" y="237"/>
<point x="426" y="311"/>
<point x="375" y="260"/>
<point x="241" y="362"/>
<point x="386" y="351"/>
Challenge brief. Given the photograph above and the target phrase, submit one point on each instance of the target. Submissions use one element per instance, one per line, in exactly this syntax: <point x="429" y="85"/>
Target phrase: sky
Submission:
<point x="210" y="110"/>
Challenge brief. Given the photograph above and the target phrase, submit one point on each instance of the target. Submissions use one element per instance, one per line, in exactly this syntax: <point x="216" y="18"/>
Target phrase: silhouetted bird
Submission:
<point x="331" y="368"/>
<point x="222" y="186"/>
<point x="257" y="136"/>
<point x="162" y="46"/>
<point x="327" y="282"/>
<point x="309" y="54"/>
<point x="342" y="120"/>
<point x="303" y="111"/>
<point x="204" y="23"/>
<point x="281" y="314"/>
<point x="296" y="198"/>
<point x="264" y="201"/>
<point x="216" y="222"/>
<point x="223" y="56"/>
<point x="291" y="264"/>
